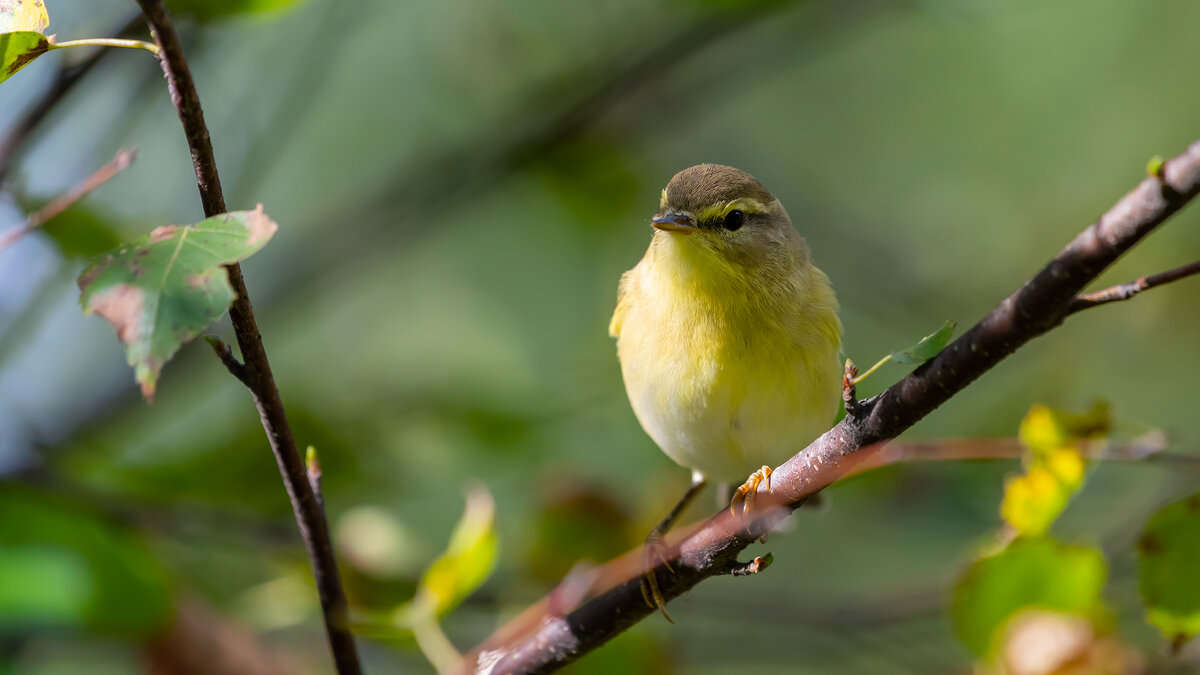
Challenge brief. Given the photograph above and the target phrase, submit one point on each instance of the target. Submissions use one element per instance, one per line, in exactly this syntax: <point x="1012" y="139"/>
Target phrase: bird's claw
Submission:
<point x="747" y="492"/>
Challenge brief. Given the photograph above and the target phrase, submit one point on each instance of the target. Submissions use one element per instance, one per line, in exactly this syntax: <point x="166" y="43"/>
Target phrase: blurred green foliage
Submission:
<point x="460" y="184"/>
<point x="1029" y="573"/>
<point x="1168" y="549"/>
<point x="62" y="568"/>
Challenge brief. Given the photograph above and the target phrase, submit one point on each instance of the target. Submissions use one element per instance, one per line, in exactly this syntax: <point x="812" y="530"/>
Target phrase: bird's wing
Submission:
<point x="624" y="301"/>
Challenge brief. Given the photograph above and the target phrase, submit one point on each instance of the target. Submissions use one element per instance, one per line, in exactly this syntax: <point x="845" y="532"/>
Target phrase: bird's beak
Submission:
<point x="673" y="222"/>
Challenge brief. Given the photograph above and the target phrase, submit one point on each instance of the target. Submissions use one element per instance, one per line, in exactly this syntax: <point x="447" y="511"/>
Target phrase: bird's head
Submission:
<point x="723" y="215"/>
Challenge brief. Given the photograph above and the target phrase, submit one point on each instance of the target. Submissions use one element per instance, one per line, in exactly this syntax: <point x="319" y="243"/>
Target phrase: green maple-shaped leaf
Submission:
<point x="165" y="288"/>
<point x="21" y="40"/>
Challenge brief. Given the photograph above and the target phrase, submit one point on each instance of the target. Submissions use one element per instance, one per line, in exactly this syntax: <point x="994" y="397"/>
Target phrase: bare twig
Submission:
<point x="224" y="353"/>
<point x="310" y="517"/>
<point x="755" y="566"/>
<point x="544" y="643"/>
<point x="1127" y="291"/>
<point x="64" y="201"/>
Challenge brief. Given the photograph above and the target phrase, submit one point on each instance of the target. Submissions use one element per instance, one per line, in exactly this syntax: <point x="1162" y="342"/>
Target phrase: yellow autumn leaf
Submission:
<point x="1033" y="501"/>
<point x="1045" y="429"/>
<point x="23" y="15"/>
<point x="1054" y="465"/>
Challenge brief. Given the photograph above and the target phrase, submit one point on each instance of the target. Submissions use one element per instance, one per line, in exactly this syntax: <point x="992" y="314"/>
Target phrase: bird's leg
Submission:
<point x="654" y="552"/>
<point x="724" y="494"/>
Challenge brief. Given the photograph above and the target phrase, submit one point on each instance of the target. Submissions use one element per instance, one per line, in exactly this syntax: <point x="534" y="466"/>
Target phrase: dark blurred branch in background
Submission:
<point x="69" y="75"/>
<point x="310" y="517"/>
<point x="1151" y="445"/>
<point x="543" y="641"/>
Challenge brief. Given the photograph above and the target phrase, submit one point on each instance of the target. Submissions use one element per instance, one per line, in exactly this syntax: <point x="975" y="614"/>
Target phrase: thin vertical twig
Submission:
<point x="310" y="516"/>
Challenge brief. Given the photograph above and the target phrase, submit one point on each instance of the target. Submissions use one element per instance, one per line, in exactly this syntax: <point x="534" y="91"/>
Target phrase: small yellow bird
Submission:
<point x="728" y="335"/>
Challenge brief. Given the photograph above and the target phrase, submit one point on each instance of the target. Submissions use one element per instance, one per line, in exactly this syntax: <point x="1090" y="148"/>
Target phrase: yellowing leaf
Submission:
<point x="22" y="23"/>
<point x="162" y="290"/>
<point x="1045" y="428"/>
<point x="1033" y="501"/>
<point x="23" y="15"/>
<point x="1066" y="464"/>
<point x="1054" y="466"/>
<point x="1169" y="550"/>
<point x="467" y="561"/>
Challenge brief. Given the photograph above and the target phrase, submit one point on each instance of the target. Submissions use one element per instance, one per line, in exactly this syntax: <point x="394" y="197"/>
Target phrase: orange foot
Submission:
<point x="746" y="494"/>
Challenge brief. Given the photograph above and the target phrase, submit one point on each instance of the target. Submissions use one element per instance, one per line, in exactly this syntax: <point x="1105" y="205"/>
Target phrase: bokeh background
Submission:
<point x="459" y="185"/>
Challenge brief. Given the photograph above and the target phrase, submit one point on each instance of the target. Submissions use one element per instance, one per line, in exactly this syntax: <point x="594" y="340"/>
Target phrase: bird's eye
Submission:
<point x="734" y="220"/>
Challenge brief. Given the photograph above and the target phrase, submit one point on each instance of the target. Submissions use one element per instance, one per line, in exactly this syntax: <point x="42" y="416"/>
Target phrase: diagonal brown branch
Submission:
<point x="310" y="516"/>
<point x="542" y="641"/>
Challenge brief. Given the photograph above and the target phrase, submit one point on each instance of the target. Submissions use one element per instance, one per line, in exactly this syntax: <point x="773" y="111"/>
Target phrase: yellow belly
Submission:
<point x="727" y="383"/>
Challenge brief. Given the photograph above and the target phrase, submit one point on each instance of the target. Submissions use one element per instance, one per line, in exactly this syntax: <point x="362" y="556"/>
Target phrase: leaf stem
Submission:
<point x="873" y="368"/>
<point x="108" y="42"/>
<point x="432" y="641"/>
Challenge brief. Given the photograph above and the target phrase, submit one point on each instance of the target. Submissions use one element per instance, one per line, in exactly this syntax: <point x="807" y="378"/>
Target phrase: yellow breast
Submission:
<point x="726" y="371"/>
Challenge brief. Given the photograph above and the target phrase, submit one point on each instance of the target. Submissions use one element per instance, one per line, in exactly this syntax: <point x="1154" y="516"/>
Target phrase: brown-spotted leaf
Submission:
<point x="22" y="23"/>
<point x="164" y="289"/>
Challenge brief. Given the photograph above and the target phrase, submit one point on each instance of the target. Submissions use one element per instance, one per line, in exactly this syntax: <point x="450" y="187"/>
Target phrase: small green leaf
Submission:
<point x="162" y="290"/>
<point x="1169" y="549"/>
<point x="1030" y="573"/>
<point x="22" y="23"/>
<point x="928" y="347"/>
<point x="18" y="48"/>
<point x="466" y="563"/>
